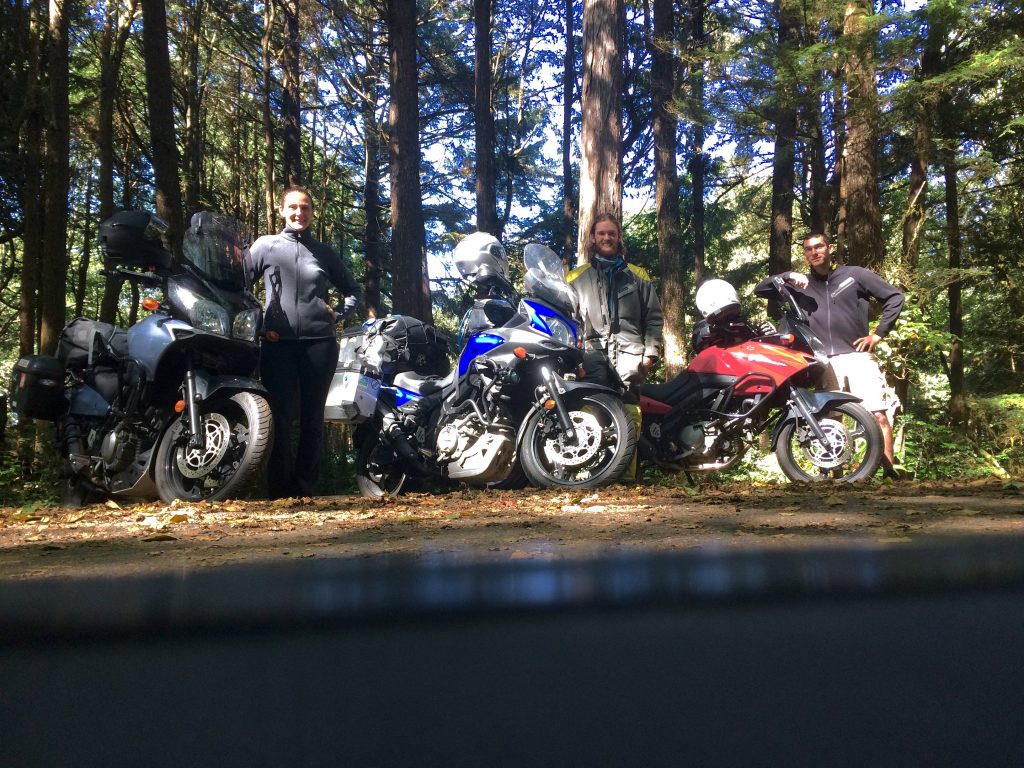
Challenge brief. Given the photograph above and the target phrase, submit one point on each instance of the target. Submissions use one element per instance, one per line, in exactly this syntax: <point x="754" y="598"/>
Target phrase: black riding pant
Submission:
<point x="297" y="372"/>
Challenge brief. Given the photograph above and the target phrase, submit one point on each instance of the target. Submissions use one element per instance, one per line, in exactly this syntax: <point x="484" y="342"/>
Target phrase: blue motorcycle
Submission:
<point x="512" y="407"/>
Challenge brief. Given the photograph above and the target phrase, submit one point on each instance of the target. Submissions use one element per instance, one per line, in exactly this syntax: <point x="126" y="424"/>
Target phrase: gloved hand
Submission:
<point x="342" y="311"/>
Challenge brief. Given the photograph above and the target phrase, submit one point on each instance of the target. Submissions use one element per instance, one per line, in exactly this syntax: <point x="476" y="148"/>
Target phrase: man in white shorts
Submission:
<point x="842" y="294"/>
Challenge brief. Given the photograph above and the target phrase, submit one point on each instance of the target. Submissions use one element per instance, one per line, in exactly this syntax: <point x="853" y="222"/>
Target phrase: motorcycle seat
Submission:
<point x="422" y="383"/>
<point x="681" y="388"/>
<point x="687" y="385"/>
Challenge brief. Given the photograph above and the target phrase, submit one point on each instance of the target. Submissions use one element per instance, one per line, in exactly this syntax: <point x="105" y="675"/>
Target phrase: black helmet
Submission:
<point x="133" y="239"/>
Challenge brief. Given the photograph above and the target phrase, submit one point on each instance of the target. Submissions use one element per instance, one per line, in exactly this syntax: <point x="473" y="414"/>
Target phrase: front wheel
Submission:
<point x="603" y="446"/>
<point x="853" y="451"/>
<point x="237" y="432"/>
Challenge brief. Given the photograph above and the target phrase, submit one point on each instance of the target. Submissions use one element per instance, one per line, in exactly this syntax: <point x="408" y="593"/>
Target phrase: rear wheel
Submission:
<point x="852" y="452"/>
<point x="602" y="448"/>
<point x="237" y="432"/>
<point x="379" y="472"/>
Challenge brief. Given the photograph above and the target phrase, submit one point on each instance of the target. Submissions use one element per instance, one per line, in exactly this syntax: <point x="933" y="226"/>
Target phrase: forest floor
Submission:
<point x="109" y="540"/>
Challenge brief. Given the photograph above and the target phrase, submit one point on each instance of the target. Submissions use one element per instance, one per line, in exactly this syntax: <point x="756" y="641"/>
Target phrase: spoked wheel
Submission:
<point x="600" y="451"/>
<point x="237" y="435"/>
<point x="379" y="472"/>
<point x="853" y="450"/>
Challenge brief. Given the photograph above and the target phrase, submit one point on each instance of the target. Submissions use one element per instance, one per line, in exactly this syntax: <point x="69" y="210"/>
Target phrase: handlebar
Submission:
<point x="150" y="278"/>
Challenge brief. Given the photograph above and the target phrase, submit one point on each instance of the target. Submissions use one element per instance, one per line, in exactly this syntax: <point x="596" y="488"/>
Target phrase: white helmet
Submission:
<point x="480" y="255"/>
<point x="716" y="299"/>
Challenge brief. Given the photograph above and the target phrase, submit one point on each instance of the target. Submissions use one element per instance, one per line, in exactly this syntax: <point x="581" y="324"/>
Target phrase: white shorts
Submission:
<point x="858" y="373"/>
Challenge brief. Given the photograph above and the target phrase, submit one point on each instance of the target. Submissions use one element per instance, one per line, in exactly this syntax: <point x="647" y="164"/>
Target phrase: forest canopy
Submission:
<point x="740" y="126"/>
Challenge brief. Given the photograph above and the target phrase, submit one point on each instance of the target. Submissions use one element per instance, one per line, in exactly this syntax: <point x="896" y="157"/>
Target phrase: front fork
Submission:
<point x="197" y="438"/>
<point x="803" y="408"/>
<point x="555" y="395"/>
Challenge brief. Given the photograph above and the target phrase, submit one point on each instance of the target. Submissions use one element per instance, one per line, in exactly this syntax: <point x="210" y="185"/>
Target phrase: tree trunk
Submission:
<point x="957" y="395"/>
<point x="161" y="121"/>
<point x="117" y="25"/>
<point x="569" y="201"/>
<point x="698" y="163"/>
<point x="486" y="173"/>
<point x="924" y="115"/>
<point x="409" y="280"/>
<point x="291" y="102"/>
<point x="82" y="275"/>
<point x="372" y="213"/>
<point x="31" y="195"/>
<point x="822" y="193"/>
<point x="194" y="97"/>
<point x="54" y="275"/>
<point x="780" y="240"/>
<point x="601" y="105"/>
<point x="863" y="232"/>
<point x="673" y="290"/>
<point x="269" y="154"/>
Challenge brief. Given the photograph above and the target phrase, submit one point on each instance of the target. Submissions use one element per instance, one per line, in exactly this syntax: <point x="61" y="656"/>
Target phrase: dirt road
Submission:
<point x="109" y="540"/>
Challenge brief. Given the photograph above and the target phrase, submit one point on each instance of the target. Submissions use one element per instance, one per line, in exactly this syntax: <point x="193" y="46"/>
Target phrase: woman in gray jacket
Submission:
<point x="300" y="349"/>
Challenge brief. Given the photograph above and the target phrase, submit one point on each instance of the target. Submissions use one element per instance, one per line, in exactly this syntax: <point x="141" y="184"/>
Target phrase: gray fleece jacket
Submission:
<point x="297" y="271"/>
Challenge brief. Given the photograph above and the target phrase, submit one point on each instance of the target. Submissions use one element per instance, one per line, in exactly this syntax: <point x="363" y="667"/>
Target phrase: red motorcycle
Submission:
<point x="744" y="380"/>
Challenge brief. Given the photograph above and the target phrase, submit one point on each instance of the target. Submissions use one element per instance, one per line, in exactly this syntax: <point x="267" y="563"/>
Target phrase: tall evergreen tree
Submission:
<point x="601" y="105"/>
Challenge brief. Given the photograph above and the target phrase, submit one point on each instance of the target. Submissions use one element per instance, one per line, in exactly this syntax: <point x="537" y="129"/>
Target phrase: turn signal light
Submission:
<point x="787" y="339"/>
<point x="150" y="304"/>
<point x="520" y="352"/>
<point x="549" y="405"/>
<point x="179" y="406"/>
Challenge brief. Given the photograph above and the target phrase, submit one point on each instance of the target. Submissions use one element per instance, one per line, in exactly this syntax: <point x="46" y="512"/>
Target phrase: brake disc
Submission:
<point x="835" y="453"/>
<point x="195" y="462"/>
<point x="560" y="450"/>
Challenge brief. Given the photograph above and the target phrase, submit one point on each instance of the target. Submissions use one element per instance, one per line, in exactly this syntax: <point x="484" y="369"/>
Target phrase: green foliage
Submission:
<point x="30" y="471"/>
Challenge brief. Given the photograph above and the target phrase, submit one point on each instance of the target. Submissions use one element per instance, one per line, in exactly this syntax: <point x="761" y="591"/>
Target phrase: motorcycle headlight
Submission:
<point x="210" y="317"/>
<point x="560" y="331"/>
<point x="203" y="314"/>
<point x="245" y="324"/>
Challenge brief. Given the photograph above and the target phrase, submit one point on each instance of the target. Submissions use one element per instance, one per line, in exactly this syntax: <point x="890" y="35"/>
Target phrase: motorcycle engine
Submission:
<point x="118" y="449"/>
<point x="473" y="452"/>
<point x="694" y="440"/>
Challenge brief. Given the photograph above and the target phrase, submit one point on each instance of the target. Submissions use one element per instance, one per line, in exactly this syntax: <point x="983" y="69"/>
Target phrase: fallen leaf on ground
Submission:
<point x="160" y="537"/>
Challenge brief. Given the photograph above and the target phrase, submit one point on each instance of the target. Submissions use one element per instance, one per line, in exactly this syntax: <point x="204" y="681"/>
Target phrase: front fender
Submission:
<point x="817" y="402"/>
<point x="208" y="385"/>
<point x="564" y="388"/>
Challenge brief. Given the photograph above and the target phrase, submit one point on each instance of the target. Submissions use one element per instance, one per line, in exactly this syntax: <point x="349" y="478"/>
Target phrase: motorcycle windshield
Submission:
<point x="544" y="279"/>
<point x="214" y="245"/>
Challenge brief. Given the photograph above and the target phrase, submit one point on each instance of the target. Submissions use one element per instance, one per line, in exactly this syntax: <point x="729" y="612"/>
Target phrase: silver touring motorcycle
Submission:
<point x="510" y="411"/>
<point x="168" y="407"/>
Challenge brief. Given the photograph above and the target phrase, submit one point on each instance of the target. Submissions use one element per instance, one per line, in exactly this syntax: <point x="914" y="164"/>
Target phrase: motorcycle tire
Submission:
<point x="239" y="430"/>
<point x="379" y="471"/>
<point x="854" y="451"/>
<point x="515" y="481"/>
<point x="606" y="440"/>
